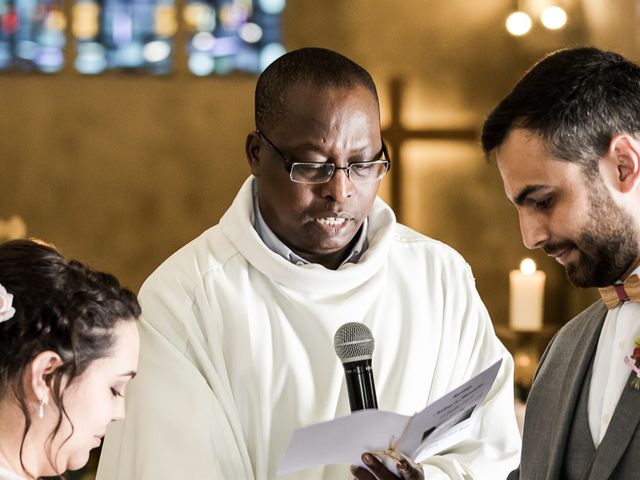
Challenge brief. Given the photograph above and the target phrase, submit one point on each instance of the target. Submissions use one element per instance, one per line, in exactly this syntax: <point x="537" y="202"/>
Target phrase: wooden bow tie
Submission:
<point x="616" y="294"/>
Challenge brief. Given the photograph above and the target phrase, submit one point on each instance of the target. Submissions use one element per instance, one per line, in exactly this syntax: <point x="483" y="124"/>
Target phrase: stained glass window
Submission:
<point x="32" y="35"/>
<point x="124" y="34"/>
<point x="222" y="36"/>
<point x="232" y="35"/>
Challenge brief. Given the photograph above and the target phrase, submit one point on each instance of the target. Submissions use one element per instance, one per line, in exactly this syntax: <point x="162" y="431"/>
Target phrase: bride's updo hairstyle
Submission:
<point x="60" y="306"/>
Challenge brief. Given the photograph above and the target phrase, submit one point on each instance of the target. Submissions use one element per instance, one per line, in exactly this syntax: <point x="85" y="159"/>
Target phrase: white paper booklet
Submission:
<point x="441" y="425"/>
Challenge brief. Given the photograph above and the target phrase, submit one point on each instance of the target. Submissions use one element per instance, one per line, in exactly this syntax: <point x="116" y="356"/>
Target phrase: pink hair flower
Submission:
<point x="6" y="310"/>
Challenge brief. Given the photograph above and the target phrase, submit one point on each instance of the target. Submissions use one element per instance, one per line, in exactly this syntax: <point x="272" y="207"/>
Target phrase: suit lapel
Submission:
<point x="580" y="357"/>
<point x="619" y="433"/>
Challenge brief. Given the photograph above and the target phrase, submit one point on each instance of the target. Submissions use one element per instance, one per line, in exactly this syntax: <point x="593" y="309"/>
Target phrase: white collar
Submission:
<point x="236" y="225"/>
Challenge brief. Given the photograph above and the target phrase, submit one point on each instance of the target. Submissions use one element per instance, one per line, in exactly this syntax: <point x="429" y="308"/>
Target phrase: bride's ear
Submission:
<point x="38" y="372"/>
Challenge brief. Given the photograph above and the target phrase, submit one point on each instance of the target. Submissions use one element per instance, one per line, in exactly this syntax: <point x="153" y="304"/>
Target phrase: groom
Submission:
<point x="567" y="144"/>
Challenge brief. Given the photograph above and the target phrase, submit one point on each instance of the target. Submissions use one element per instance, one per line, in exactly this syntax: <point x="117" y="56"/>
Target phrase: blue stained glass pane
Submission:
<point x="233" y="35"/>
<point x="32" y="35"/>
<point x="134" y="35"/>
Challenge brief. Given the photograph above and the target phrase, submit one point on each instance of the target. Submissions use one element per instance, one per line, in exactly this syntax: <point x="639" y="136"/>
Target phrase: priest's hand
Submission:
<point x="407" y="470"/>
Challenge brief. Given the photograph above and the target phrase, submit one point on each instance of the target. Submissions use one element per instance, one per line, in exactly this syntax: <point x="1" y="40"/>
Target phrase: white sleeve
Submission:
<point x="176" y="426"/>
<point x="494" y="448"/>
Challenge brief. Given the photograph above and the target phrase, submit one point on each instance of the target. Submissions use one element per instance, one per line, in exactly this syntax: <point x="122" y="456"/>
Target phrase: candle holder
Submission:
<point x="527" y="348"/>
<point x="525" y="361"/>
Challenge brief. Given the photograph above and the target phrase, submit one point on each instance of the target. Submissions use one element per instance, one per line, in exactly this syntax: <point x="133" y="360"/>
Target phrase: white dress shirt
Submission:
<point x="610" y="374"/>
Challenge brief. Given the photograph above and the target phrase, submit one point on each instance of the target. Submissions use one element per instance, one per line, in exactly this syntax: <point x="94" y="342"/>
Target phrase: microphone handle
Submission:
<point x="360" y="386"/>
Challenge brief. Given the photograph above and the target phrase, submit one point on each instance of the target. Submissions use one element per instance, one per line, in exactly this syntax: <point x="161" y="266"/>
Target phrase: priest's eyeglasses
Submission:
<point x="322" y="172"/>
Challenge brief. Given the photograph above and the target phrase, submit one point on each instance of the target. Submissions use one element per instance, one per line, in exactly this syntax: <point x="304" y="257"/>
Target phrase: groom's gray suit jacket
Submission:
<point x="552" y="403"/>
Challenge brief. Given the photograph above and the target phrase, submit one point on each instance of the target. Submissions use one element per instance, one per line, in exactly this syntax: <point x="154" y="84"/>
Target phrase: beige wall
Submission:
<point x="120" y="170"/>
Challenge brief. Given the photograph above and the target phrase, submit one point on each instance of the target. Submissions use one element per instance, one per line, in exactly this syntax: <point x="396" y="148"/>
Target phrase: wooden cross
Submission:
<point x="395" y="134"/>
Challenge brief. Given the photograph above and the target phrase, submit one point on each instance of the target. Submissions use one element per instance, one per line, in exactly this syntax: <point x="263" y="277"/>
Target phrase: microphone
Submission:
<point x="353" y="343"/>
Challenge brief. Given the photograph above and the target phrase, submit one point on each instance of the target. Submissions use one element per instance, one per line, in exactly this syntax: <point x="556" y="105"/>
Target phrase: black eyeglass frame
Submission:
<point x="288" y="164"/>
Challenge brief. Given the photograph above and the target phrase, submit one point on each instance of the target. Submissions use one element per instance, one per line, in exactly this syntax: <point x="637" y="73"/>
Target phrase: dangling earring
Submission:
<point x="43" y="402"/>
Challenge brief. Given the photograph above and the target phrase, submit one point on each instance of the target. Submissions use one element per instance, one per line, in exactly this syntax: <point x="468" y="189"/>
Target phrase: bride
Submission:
<point x="68" y="346"/>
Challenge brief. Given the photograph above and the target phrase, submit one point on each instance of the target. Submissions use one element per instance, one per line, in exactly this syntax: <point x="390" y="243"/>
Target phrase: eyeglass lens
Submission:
<point x="319" y="173"/>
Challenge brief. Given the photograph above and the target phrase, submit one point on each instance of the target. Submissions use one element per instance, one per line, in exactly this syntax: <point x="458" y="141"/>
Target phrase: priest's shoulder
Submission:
<point x="190" y="263"/>
<point x="408" y="241"/>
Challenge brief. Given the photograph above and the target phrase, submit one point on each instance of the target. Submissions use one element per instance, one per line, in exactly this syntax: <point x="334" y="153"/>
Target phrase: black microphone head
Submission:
<point x="353" y="342"/>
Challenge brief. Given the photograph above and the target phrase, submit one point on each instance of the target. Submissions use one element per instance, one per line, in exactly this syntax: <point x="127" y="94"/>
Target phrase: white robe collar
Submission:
<point x="314" y="278"/>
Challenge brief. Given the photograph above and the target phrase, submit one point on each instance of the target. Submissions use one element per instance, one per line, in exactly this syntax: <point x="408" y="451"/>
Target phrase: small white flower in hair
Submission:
<point x="6" y="310"/>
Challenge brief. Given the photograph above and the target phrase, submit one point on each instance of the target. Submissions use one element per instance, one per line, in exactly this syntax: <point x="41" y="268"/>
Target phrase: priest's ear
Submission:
<point x="253" y="146"/>
<point x="622" y="163"/>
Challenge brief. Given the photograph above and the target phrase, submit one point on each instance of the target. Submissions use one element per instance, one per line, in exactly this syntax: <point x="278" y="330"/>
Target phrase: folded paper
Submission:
<point x="441" y="425"/>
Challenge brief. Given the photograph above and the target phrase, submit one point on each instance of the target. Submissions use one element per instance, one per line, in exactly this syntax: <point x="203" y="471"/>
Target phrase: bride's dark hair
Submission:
<point x="61" y="306"/>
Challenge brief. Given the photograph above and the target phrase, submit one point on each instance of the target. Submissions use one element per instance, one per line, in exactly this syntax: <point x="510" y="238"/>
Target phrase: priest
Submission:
<point x="237" y="336"/>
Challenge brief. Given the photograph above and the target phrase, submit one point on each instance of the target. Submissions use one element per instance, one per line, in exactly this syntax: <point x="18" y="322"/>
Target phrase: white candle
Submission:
<point x="526" y="297"/>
